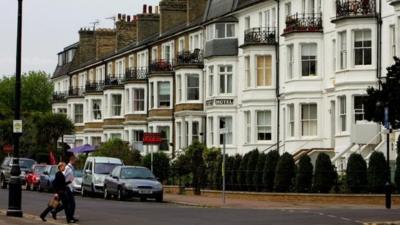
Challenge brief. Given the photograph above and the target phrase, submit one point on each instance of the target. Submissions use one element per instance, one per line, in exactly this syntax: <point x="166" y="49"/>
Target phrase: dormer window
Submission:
<point x="60" y="59"/>
<point x="221" y="31"/>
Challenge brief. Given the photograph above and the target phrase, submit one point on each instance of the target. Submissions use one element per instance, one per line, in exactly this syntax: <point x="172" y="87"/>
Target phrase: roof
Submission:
<point x="62" y="70"/>
<point x="218" y="8"/>
<point x="245" y="3"/>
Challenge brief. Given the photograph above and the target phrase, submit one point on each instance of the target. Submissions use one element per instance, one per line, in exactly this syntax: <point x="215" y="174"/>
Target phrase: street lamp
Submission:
<point x="15" y="192"/>
<point x="379" y="104"/>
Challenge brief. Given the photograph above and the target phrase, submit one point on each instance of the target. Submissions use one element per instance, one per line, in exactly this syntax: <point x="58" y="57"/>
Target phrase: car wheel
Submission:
<point x="160" y="198"/>
<point x="106" y="194"/>
<point x="120" y="195"/>
<point x="3" y="182"/>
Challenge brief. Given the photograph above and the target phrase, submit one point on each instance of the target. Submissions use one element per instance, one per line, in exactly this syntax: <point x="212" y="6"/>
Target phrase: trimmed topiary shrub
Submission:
<point x="258" y="175"/>
<point x="304" y="175"/>
<point x="161" y="167"/>
<point x="251" y="170"/>
<point x="356" y="173"/>
<point x="242" y="173"/>
<point x="230" y="162"/>
<point x="377" y="173"/>
<point x="324" y="177"/>
<point x="271" y="160"/>
<point x="218" y="173"/>
<point x="234" y="182"/>
<point x="285" y="172"/>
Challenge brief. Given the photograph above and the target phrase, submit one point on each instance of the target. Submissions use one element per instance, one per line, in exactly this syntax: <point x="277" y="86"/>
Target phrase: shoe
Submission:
<point x="76" y="220"/>
<point x="54" y="215"/>
<point x="71" y="221"/>
<point x="43" y="219"/>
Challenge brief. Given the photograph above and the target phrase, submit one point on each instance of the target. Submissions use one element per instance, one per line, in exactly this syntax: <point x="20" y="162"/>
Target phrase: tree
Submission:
<point x="304" y="175"/>
<point x="388" y="95"/>
<point x="117" y="148"/>
<point x="324" y="177"/>
<point x="195" y="152"/>
<point x="356" y="172"/>
<point x="242" y="172"/>
<point x="258" y="175"/>
<point x="161" y="167"/>
<point x="210" y="157"/>
<point x="251" y="170"/>
<point x="285" y="172"/>
<point x="181" y="167"/>
<point x="377" y="172"/>
<point x="271" y="161"/>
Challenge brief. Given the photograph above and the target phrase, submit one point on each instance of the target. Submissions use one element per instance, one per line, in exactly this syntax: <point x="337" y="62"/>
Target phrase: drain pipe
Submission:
<point x="379" y="41"/>
<point x="277" y="58"/>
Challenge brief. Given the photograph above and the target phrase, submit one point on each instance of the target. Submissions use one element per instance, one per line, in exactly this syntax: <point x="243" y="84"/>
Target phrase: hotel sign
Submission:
<point x="219" y="102"/>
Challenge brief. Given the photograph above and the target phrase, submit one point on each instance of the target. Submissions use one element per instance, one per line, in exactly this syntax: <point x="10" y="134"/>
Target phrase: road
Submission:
<point x="96" y="211"/>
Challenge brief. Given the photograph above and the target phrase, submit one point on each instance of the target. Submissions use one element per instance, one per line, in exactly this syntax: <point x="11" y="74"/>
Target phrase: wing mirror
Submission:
<point x="88" y="171"/>
<point x="46" y="173"/>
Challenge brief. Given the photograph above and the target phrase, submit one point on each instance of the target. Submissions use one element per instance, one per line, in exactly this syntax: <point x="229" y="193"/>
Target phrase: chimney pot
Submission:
<point x="144" y="9"/>
<point x="156" y="9"/>
<point x="150" y="9"/>
<point x="119" y="16"/>
<point x="128" y="18"/>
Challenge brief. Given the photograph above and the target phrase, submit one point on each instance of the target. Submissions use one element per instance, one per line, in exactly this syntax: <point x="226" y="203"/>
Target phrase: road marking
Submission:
<point x="332" y="216"/>
<point x="344" y="218"/>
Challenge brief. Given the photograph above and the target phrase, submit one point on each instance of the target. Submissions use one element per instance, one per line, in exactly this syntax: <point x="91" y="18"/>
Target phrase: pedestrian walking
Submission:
<point x="59" y="201"/>
<point x="69" y="192"/>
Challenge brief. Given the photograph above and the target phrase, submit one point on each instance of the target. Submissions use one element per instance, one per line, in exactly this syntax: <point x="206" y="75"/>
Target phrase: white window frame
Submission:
<point x="192" y="88"/>
<point x="229" y="135"/>
<point x="225" y="35"/>
<point x="99" y="110"/>
<point x="308" y="59"/>
<point x="226" y="76"/>
<point x="291" y="120"/>
<point x="265" y="68"/>
<point x="266" y="126"/>
<point x="115" y="106"/>
<point x="211" y="73"/>
<point x="135" y="99"/>
<point x="247" y="71"/>
<point x="247" y="122"/>
<point x="342" y="113"/>
<point x="343" y="50"/>
<point x="362" y="48"/>
<point x="158" y="95"/>
<point x="359" y="111"/>
<point x="290" y="65"/>
<point x="78" y="114"/>
<point x="308" y="120"/>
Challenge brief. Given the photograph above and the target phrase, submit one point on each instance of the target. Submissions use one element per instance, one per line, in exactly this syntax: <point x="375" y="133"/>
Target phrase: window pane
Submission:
<point x="230" y="30"/>
<point x="220" y="28"/>
<point x="193" y="82"/>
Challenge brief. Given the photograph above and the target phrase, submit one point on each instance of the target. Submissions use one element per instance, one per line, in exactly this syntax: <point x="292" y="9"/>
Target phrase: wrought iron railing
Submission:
<point x="304" y="22"/>
<point x="114" y="80"/>
<point x="94" y="86"/>
<point x="60" y="96"/>
<point x="260" y="35"/>
<point x="136" y="73"/>
<point x="161" y="65"/>
<point x="76" y="92"/>
<point x="190" y="58"/>
<point x="349" y="8"/>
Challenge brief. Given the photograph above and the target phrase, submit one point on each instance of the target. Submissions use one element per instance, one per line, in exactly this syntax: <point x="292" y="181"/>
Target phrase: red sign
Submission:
<point x="151" y="138"/>
<point x="7" y="148"/>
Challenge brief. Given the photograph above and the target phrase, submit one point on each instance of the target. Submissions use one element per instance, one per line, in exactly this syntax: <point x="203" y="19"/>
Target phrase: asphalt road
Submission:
<point x="92" y="211"/>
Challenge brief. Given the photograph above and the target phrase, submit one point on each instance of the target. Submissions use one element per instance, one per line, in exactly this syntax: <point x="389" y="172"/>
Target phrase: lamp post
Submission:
<point x="15" y="192"/>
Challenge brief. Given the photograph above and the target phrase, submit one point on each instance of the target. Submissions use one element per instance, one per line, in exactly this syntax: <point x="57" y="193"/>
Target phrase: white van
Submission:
<point x="95" y="171"/>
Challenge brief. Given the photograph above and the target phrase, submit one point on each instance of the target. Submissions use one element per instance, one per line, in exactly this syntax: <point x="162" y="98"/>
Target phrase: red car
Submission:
<point x="33" y="178"/>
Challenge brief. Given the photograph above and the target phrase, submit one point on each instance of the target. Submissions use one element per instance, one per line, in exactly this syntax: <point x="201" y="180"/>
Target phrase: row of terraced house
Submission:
<point x="275" y="74"/>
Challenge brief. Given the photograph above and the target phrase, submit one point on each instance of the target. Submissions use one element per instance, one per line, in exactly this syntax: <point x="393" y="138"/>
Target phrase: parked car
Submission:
<point x="32" y="178"/>
<point x="95" y="171"/>
<point x="77" y="183"/>
<point x="5" y="170"/>
<point x="46" y="179"/>
<point x="131" y="181"/>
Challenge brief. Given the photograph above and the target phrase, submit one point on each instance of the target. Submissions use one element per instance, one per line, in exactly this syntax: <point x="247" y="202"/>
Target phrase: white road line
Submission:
<point x="344" y="218"/>
<point x="332" y="216"/>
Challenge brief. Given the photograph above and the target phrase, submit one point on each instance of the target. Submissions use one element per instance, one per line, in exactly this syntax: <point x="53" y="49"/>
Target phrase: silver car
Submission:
<point x="131" y="181"/>
<point x="77" y="182"/>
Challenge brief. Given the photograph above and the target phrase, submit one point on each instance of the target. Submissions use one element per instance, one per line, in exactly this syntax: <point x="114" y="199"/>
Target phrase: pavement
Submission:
<point x="194" y="210"/>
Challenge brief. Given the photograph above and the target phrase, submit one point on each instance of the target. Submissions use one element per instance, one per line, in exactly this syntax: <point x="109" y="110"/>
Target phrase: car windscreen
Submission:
<point x="39" y="169"/>
<point x="104" y="168"/>
<point x="53" y="171"/>
<point x="78" y="173"/>
<point x="136" y="173"/>
<point x="26" y="163"/>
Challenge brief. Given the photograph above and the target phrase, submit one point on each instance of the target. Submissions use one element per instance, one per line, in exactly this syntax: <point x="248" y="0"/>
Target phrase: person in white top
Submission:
<point x="69" y="177"/>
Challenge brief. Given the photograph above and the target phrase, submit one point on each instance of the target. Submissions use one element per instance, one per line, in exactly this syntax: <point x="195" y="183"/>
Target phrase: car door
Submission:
<point x="87" y="177"/>
<point x="114" y="181"/>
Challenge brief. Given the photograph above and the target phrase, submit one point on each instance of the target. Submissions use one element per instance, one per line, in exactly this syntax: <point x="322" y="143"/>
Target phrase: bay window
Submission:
<point x="164" y="94"/>
<point x="78" y="113"/>
<point x="308" y="60"/>
<point x="226" y="123"/>
<point x="290" y="58"/>
<point x="211" y="130"/>
<point x="309" y="120"/>
<point x="291" y="120"/>
<point x="362" y="47"/>
<point x="247" y="117"/>
<point x="195" y="131"/>
<point x="96" y="109"/>
<point x="178" y="88"/>
<point x="247" y="71"/>
<point x="116" y="100"/>
<point x="225" y="79"/>
<point x="264" y="128"/>
<point x="210" y="80"/>
<point x="264" y="71"/>
<point x="193" y="87"/>
<point x="164" y="132"/>
<point x="138" y="100"/>
<point x="342" y="113"/>
<point x="359" y="110"/>
<point x="343" y="50"/>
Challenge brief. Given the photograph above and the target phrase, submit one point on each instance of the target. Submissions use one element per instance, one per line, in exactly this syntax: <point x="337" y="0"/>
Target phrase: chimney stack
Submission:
<point x="150" y="9"/>
<point x="172" y="13"/>
<point x="144" y="9"/>
<point x="195" y="10"/>
<point x="147" y="23"/>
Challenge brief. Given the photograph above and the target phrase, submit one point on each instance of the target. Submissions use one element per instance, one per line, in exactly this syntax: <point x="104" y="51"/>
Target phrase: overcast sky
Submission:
<point x="51" y="25"/>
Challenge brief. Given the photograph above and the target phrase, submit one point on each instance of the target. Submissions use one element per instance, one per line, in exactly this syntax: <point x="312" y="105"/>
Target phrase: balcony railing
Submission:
<point x="60" y="96"/>
<point x="76" y="92"/>
<point x="260" y="35"/>
<point x="355" y="8"/>
<point x="304" y="22"/>
<point x="190" y="58"/>
<point x="136" y="73"/>
<point x="161" y="65"/>
<point x="94" y="86"/>
<point x="114" y="80"/>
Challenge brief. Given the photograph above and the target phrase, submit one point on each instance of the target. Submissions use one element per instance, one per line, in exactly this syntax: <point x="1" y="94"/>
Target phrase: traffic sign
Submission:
<point x="152" y="138"/>
<point x="8" y="148"/>
<point x="17" y="126"/>
<point x="69" y="139"/>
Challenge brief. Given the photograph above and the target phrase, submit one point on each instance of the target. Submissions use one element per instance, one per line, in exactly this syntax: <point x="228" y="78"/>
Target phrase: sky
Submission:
<point x="51" y="25"/>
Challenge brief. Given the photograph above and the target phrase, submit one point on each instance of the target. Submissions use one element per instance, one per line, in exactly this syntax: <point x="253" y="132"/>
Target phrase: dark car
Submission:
<point x="5" y="169"/>
<point x="32" y="178"/>
<point x="46" y="179"/>
<point x="130" y="181"/>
